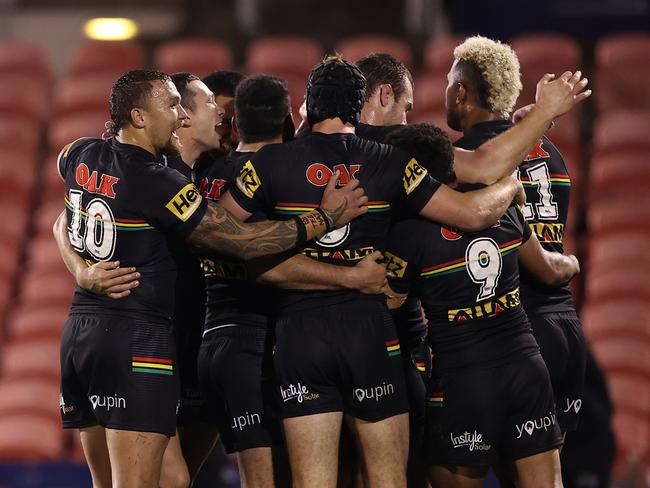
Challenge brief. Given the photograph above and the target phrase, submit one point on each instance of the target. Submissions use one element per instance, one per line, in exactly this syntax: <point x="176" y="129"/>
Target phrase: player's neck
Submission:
<point x="333" y="126"/>
<point x="478" y="116"/>
<point x="370" y="115"/>
<point x="126" y="136"/>
<point x="256" y="146"/>
<point x="190" y="152"/>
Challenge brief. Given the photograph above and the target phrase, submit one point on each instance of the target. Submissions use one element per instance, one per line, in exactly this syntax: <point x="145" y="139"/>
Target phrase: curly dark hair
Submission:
<point x="429" y="145"/>
<point x="262" y="105"/>
<point x="130" y="91"/>
<point x="223" y="82"/>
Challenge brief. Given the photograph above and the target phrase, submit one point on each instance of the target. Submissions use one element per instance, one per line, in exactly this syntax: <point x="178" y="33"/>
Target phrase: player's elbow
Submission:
<point x="475" y="218"/>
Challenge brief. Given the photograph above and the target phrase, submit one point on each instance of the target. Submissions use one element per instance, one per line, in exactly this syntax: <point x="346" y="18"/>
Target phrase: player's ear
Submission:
<point x="461" y="93"/>
<point x="234" y="131"/>
<point x="137" y="118"/>
<point x="386" y="94"/>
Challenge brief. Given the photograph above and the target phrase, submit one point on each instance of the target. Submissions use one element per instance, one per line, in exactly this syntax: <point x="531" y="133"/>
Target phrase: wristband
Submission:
<point x="302" y="230"/>
<point x="328" y="226"/>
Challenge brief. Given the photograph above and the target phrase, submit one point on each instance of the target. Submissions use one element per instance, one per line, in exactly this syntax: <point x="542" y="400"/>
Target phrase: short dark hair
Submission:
<point x="471" y="74"/>
<point x="223" y="82"/>
<point x="181" y="81"/>
<point x="429" y="145"/>
<point x="262" y="105"/>
<point x="382" y="69"/>
<point x="130" y="91"/>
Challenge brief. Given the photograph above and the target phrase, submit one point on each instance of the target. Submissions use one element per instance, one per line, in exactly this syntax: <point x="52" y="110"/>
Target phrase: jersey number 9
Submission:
<point x="484" y="265"/>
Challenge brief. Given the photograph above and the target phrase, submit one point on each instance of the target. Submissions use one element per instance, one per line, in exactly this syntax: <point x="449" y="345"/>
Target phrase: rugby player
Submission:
<point x="235" y="358"/>
<point x="118" y="358"/>
<point x="223" y="84"/>
<point x="320" y="380"/>
<point x="482" y="112"/>
<point x="490" y="399"/>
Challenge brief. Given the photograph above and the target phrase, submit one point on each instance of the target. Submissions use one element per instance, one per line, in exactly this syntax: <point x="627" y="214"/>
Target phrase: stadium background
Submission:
<point x="54" y="85"/>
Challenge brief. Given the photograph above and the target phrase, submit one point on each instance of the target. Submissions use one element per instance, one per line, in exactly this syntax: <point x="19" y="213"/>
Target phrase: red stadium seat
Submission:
<point x="30" y="438"/>
<point x="623" y="354"/>
<point x="15" y="213"/>
<point x="44" y="255"/>
<point x="69" y="128"/>
<point x="544" y="53"/>
<point x="619" y="317"/>
<point x="19" y="130"/>
<point x="45" y="217"/>
<point x="110" y="57"/>
<point x="26" y="58"/>
<point x="619" y="213"/>
<point x="271" y="55"/>
<point x="83" y="93"/>
<point x="41" y="317"/>
<point x="439" y="54"/>
<point x="197" y="56"/>
<point x="33" y="397"/>
<point x="32" y="359"/>
<point x="619" y="173"/>
<point x="614" y="50"/>
<point x="429" y="93"/>
<point x="622" y="130"/>
<point x="355" y="48"/>
<point x="632" y="433"/>
<point x="626" y="248"/>
<point x="297" y="85"/>
<point x="24" y="96"/>
<point x="630" y="394"/>
<point x="610" y="282"/>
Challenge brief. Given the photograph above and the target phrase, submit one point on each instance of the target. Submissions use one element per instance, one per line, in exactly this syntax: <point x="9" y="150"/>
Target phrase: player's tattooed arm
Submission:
<point x="221" y="231"/>
<point x="299" y="272"/>
<point x="502" y="155"/>
<point x="550" y="268"/>
<point x="474" y="210"/>
<point x="103" y="278"/>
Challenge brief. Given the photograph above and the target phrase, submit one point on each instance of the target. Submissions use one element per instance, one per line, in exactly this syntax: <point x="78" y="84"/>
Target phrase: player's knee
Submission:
<point x="178" y="479"/>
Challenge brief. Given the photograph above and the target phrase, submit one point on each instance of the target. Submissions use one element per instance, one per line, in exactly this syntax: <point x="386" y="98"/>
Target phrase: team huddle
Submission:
<point x="357" y="302"/>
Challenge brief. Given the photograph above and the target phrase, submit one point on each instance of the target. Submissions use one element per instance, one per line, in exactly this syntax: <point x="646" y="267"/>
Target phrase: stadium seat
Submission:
<point x="197" y="56"/>
<point x="439" y="54"/>
<point x="38" y="397"/>
<point x="629" y="49"/>
<point x="87" y="93"/>
<point x="618" y="317"/>
<point x="619" y="173"/>
<point x="41" y="317"/>
<point x="611" y="282"/>
<point x="44" y="255"/>
<point x="37" y="358"/>
<point x="632" y="433"/>
<point x="20" y="131"/>
<point x="612" y="214"/>
<point x="24" y="96"/>
<point x="27" y="58"/>
<point x="356" y="47"/>
<point x="283" y="54"/>
<point x="626" y="248"/>
<point x="15" y="213"/>
<point x="544" y="53"/>
<point x="69" y="128"/>
<point x="623" y="354"/>
<point x="429" y="93"/>
<point x="114" y="58"/>
<point x="47" y="214"/>
<point x="630" y="394"/>
<point x="30" y="438"/>
<point x="622" y="130"/>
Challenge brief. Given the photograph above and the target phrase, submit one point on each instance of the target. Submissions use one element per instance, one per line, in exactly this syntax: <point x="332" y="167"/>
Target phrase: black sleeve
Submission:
<point x="417" y="185"/>
<point x="402" y="256"/>
<point x="252" y="186"/>
<point x="173" y="204"/>
<point x="67" y="154"/>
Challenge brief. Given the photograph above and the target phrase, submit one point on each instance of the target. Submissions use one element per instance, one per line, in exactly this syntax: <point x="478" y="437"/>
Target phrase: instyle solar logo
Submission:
<point x="473" y="441"/>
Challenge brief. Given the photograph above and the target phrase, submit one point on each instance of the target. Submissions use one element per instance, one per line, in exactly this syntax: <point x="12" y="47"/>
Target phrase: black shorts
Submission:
<point x="192" y="402"/>
<point x="119" y="372"/>
<point x="343" y="358"/>
<point x="236" y="376"/>
<point x="564" y="350"/>
<point x="416" y="388"/>
<point x="484" y="416"/>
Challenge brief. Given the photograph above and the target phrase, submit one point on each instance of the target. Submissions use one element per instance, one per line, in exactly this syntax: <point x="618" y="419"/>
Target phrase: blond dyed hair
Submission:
<point x="499" y="66"/>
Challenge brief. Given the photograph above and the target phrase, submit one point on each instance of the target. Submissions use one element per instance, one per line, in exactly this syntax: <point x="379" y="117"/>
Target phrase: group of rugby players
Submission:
<point x="264" y="319"/>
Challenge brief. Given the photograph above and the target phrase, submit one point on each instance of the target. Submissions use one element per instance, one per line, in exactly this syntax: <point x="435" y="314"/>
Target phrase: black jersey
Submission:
<point x="546" y="181"/>
<point x="468" y="285"/>
<point x="411" y="327"/>
<point x="231" y="298"/>
<point x="132" y="203"/>
<point x="284" y="180"/>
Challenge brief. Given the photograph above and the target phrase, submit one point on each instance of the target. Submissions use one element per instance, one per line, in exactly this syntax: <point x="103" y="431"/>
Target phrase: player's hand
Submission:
<point x="370" y="275"/>
<point x="345" y="203"/>
<point x="521" y="113"/>
<point x="107" y="278"/>
<point x="560" y="95"/>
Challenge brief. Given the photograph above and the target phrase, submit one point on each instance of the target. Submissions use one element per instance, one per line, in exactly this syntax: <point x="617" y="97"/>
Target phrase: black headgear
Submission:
<point x="336" y="88"/>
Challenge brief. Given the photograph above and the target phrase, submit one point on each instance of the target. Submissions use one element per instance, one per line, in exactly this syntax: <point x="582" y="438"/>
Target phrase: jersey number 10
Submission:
<point x="99" y="234"/>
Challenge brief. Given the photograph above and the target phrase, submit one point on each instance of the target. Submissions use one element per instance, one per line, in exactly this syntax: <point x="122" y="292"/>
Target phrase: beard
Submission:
<point x="173" y="147"/>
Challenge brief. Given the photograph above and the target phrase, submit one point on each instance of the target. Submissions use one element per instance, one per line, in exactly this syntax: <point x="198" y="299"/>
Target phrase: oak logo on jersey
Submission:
<point x="211" y="191"/>
<point x="248" y="181"/>
<point x="185" y="202"/>
<point x="487" y="308"/>
<point x="450" y="233"/>
<point x="538" y="152"/>
<point x="413" y="176"/>
<point x="319" y="174"/>
<point x="396" y="266"/>
<point x="92" y="183"/>
<point x="546" y="232"/>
